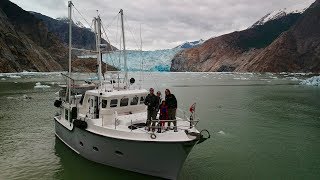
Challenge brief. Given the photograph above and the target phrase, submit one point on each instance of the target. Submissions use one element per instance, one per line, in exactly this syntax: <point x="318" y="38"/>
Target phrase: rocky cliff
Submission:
<point x="26" y="44"/>
<point x="289" y="43"/>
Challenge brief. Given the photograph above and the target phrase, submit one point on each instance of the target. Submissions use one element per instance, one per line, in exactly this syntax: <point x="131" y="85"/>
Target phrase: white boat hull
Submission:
<point x="161" y="159"/>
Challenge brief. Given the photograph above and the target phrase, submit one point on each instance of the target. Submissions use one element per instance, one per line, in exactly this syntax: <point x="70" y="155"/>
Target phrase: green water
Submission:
<point x="262" y="126"/>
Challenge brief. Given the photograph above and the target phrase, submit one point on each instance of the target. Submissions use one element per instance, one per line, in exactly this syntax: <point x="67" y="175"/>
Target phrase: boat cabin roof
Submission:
<point x="118" y="94"/>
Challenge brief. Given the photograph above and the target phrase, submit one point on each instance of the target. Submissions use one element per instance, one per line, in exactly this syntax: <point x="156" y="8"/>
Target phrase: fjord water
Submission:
<point x="263" y="126"/>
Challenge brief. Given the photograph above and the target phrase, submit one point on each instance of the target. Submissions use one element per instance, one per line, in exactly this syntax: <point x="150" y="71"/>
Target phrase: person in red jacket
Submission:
<point x="163" y="115"/>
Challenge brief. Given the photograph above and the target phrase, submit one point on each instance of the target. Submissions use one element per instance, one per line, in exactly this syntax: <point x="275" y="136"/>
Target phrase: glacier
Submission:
<point x="158" y="60"/>
<point x="153" y="61"/>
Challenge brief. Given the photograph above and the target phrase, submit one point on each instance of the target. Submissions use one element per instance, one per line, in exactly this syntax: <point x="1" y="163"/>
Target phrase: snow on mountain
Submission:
<point x="295" y="9"/>
<point x="157" y="60"/>
<point x="192" y="44"/>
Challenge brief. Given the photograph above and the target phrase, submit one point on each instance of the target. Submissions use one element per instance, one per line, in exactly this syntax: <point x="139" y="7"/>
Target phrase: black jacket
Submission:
<point x="171" y="101"/>
<point x="152" y="101"/>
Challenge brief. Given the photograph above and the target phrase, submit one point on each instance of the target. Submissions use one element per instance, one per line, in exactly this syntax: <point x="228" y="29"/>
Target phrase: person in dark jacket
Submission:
<point x="152" y="102"/>
<point x="171" y="102"/>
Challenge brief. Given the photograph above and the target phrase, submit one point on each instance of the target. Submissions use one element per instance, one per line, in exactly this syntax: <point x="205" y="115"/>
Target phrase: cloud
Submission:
<point x="165" y="23"/>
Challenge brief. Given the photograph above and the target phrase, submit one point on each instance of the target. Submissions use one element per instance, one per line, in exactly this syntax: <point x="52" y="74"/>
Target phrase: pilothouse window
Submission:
<point x="104" y="103"/>
<point x="114" y="103"/>
<point x="142" y="100"/>
<point x="134" y="101"/>
<point x="124" y="102"/>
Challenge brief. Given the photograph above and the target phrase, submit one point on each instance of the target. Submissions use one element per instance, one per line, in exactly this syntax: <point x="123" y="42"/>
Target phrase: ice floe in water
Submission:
<point x="14" y="76"/>
<point x="221" y="132"/>
<point x="313" y="81"/>
<point x="39" y="85"/>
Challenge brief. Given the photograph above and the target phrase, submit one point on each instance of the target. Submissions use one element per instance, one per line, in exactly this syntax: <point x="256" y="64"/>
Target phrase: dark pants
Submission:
<point x="172" y="117"/>
<point x="151" y="117"/>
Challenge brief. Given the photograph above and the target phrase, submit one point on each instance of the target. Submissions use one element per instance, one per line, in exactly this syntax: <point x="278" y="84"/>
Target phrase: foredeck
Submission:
<point x="121" y="128"/>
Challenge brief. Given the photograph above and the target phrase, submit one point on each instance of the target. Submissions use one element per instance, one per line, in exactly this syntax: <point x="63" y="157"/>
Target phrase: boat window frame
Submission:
<point x="104" y="105"/>
<point x="143" y="99"/>
<point x="132" y="100"/>
<point x="113" y="105"/>
<point x="126" y="101"/>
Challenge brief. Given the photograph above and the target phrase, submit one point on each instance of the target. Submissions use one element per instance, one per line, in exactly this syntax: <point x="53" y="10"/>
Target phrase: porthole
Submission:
<point x="81" y="143"/>
<point x="119" y="153"/>
<point x="95" y="148"/>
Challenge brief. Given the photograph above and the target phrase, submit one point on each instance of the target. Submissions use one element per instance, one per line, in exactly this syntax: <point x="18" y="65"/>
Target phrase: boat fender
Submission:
<point x="80" y="124"/>
<point x="153" y="136"/>
<point x="57" y="103"/>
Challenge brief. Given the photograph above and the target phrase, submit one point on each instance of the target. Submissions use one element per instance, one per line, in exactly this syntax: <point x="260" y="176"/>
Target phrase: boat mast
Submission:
<point x="70" y="48"/>
<point x="98" y="28"/>
<point x="124" y="50"/>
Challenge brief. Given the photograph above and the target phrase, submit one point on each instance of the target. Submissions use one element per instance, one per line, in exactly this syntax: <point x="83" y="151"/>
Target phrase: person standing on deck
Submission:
<point x="153" y="103"/>
<point x="171" y="102"/>
<point x="159" y="99"/>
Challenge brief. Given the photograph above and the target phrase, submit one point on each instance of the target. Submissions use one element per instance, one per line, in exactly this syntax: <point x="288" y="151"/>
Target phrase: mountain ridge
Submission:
<point x="263" y="48"/>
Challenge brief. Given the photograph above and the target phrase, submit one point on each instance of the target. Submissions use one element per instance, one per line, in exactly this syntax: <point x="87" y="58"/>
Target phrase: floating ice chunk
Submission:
<point x="39" y="85"/>
<point x="26" y="97"/>
<point x="221" y="132"/>
<point x="294" y="79"/>
<point x="3" y="79"/>
<point x="14" y="77"/>
<point x="313" y="81"/>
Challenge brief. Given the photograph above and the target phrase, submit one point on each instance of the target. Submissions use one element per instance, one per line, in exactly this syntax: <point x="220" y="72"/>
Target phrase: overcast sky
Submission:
<point x="165" y="23"/>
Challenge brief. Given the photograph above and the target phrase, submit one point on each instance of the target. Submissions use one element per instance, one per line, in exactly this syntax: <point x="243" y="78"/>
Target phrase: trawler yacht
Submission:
<point x="105" y="123"/>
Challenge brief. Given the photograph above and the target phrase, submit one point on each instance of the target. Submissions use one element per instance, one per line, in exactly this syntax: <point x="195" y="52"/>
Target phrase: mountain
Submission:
<point x="296" y="9"/>
<point x="26" y="44"/>
<point x="82" y="37"/>
<point x="288" y="43"/>
<point x="296" y="50"/>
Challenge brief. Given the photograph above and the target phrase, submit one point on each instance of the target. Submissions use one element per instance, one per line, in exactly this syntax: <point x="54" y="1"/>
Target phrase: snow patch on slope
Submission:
<point x="295" y="9"/>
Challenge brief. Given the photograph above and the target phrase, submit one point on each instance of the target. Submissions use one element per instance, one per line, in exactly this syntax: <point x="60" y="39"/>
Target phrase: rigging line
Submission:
<point x="125" y="19"/>
<point x="108" y="42"/>
<point x="82" y="16"/>
<point x="116" y="16"/>
<point x="154" y="80"/>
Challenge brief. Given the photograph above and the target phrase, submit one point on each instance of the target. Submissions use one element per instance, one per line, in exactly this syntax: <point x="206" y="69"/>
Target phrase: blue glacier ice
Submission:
<point x="157" y="60"/>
